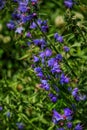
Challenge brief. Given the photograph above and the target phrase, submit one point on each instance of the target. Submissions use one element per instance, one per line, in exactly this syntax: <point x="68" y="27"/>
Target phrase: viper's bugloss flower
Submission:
<point x="44" y="28"/>
<point x="59" y="57"/>
<point x="33" y="25"/>
<point x="68" y="112"/>
<point x="39" y="72"/>
<point x="51" y="62"/>
<point x="28" y="34"/>
<point x="53" y="97"/>
<point x="23" y="7"/>
<point x="68" y="3"/>
<point x="20" y="125"/>
<point x="69" y="125"/>
<point x="16" y="16"/>
<point x="2" y="3"/>
<point x="58" y="38"/>
<point x="78" y="127"/>
<point x="11" y="25"/>
<point x="64" y="79"/>
<point x="48" y="52"/>
<point x="19" y="30"/>
<point x="40" y="42"/>
<point x="56" y="68"/>
<point x="56" y="117"/>
<point x="75" y="92"/>
<point x="45" y="85"/>
<point x="82" y="97"/>
<point x="60" y="129"/>
<point x="36" y="59"/>
<point x="69" y="89"/>
<point x="1" y="108"/>
<point x="37" y="69"/>
<point x="66" y="49"/>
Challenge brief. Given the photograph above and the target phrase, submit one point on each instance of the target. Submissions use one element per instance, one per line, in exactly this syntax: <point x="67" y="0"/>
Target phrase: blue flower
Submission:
<point x="39" y="72"/>
<point x="40" y="42"/>
<point x="11" y="25"/>
<point x="64" y="79"/>
<point x="56" y="117"/>
<point x="23" y="7"/>
<point x="69" y="125"/>
<point x="68" y="3"/>
<point x="45" y="85"/>
<point x="56" y="68"/>
<point x="1" y="108"/>
<point x="48" y="52"/>
<point x="51" y="62"/>
<point x="19" y="30"/>
<point x="28" y="35"/>
<point x="75" y="92"/>
<point x="33" y="25"/>
<point x="68" y="112"/>
<point x="53" y="97"/>
<point x="20" y="126"/>
<point x="2" y="3"/>
<point x="78" y="127"/>
<point x="60" y="129"/>
<point x="58" y="38"/>
<point x="66" y="49"/>
<point x="36" y="59"/>
<point x="59" y="57"/>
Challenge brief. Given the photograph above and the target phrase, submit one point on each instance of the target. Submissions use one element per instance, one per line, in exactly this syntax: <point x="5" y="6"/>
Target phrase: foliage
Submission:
<point x="42" y="73"/>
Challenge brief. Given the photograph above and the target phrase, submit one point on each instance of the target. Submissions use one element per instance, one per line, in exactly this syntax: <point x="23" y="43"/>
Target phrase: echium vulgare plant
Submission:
<point x="52" y="64"/>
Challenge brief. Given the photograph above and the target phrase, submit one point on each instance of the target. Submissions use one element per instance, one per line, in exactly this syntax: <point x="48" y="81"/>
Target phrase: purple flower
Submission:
<point x="53" y="97"/>
<point x="39" y="72"/>
<point x="59" y="57"/>
<point x="60" y="129"/>
<point x="2" y="3"/>
<point x="20" y="126"/>
<point x="56" y="68"/>
<point x="16" y="16"/>
<point x="19" y="30"/>
<point x="78" y="127"/>
<point x="66" y="49"/>
<point x="58" y="38"/>
<point x="56" y="117"/>
<point x="42" y="54"/>
<point x="38" y="69"/>
<point x="82" y="97"/>
<point x="45" y="85"/>
<point x="69" y="89"/>
<point x="36" y="59"/>
<point x="51" y="62"/>
<point x="75" y="92"/>
<point x="68" y="112"/>
<point x="28" y="35"/>
<point x="1" y="108"/>
<point x="44" y="28"/>
<point x="40" y="42"/>
<point x="64" y="79"/>
<point x="33" y="25"/>
<point x="11" y="25"/>
<point x="23" y="7"/>
<point x="68" y="3"/>
<point x="69" y="125"/>
<point x="48" y="52"/>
